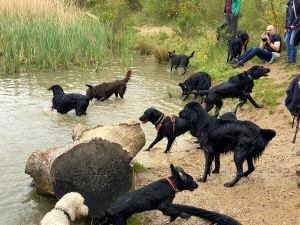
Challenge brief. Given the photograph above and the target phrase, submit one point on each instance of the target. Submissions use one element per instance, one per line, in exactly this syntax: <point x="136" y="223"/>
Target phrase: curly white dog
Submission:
<point x="67" y="209"/>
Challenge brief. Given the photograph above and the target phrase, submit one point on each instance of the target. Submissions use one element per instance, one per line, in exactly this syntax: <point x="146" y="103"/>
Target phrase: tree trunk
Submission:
<point x="97" y="164"/>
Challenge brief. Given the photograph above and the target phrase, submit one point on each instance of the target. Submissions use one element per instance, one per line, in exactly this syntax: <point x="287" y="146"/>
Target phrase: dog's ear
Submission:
<point x="89" y="85"/>
<point x="180" y="84"/>
<point x="173" y="51"/>
<point x="173" y="171"/>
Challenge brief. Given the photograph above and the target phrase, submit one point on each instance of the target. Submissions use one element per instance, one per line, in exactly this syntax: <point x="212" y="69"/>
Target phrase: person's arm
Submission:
<point x="236" y="5"/>
<point x="275" y="45"/>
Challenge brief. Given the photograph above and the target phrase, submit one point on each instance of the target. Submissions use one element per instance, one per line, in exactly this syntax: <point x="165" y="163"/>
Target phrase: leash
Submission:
<point x="172" y="184"/>
<point x="66" y="214"/>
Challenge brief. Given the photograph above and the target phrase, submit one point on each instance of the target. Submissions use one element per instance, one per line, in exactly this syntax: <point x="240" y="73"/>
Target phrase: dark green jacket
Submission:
<point x="235" y="7"/>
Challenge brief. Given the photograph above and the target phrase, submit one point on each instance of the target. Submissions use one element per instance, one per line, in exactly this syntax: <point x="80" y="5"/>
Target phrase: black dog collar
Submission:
<point x="66" y="214"/>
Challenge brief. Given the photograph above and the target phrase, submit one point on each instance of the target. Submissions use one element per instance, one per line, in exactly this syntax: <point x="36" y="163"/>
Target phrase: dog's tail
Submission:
<point x="127" y="77"/>
<point x="214" y="217"/>
<point x="89" y="85"/>
<point x="191" y="56"/>
<point x="267" y="134"/>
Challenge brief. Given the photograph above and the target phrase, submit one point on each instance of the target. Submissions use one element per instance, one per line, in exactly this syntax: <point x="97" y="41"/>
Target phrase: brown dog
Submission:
<point x="103" y="91"/>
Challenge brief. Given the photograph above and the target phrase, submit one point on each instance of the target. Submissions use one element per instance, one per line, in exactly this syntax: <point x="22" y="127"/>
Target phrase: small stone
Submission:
<point x="298" y="153"/>
<point x="298" y="172"/>
<point x="298" y="184"/>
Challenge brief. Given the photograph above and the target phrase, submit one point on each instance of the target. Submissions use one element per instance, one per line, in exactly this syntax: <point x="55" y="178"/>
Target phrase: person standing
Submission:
<point x="231" y="12"/>
<point x="292" y="26"/>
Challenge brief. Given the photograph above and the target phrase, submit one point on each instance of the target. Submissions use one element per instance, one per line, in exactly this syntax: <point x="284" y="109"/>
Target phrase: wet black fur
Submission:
<point x="219" y="136"/>
<point x="153" y="115"/>
<point x="159" y="196"/>
<point x="239" y="86"/>
<point x="180" y="60"/>
<point x="63" y="102"/>
<point x="196" y="82"/>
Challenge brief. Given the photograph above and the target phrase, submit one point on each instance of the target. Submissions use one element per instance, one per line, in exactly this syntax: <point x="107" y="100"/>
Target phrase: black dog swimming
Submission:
<point x="63" y="102"/>
<point x="239" y="86"/>
<point x="236" y="45"/>
<point x="196" y="82"/>
<point x="180" y="60"/>
<point x="166" y="126"/>
<point x="219" y="136"/>
<point x="159" y="195"/>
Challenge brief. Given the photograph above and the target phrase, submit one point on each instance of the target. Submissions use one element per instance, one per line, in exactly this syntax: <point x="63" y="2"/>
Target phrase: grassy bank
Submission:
<point x="48" y="34"/>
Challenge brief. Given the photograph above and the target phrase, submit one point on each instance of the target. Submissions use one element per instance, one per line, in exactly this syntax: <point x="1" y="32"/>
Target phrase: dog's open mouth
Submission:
<point x="266" y="72"/>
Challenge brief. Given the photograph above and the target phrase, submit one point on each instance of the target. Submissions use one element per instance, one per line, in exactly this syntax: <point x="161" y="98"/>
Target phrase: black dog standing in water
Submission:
<point x="166" y="126"/>
<point x="63" y="103"/>
<point x="159" y="195"/>
<point x="219" y="136"/>
<point x="180" y="60"/>
<point x="239" y="86"/>
<point x="196" y="82"/>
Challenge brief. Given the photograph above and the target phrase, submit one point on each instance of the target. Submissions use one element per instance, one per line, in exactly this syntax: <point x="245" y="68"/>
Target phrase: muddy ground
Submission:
<point x="269" y="196"/>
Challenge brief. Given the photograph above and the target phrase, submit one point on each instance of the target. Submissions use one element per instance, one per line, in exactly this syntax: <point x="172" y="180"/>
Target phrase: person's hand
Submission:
<point x="292" y="27"/>
<point x="268" y="39"/>
<point x="285" y="30"/>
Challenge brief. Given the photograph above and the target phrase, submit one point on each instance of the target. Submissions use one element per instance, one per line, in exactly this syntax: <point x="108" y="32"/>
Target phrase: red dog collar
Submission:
<point x="172" y="184"/>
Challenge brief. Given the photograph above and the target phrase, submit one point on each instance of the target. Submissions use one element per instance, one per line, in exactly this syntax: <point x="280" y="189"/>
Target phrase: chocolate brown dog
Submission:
<point x="103" y="91"/>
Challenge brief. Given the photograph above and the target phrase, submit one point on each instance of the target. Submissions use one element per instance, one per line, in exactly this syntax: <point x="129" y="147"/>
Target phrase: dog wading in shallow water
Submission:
<point x="180" y="60"/>
<point x="63" y="102"/>
<point x="218" y="136"/>
<point x="166" y="126"/>
<point x="103" y="91"/>
<point x="159" y="195"/>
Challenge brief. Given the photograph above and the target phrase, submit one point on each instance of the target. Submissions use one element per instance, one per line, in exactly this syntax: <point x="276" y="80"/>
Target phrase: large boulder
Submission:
<point x="97" y="164"/>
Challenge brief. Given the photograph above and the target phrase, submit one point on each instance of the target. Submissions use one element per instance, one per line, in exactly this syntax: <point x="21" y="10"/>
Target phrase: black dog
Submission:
<point x="159" y="196"/>
<point x="236" y="44"/>
<point x="198" y="81"/>
<point x="166" y="126"/>
<point x="63" y="103"/>
<point x="239" y="86"/>
<point x="180" y="60"/>
<point x="218" y="136"/>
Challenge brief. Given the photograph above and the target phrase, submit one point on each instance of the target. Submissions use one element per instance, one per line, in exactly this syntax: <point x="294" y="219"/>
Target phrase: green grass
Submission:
<point x="137" y="167"/>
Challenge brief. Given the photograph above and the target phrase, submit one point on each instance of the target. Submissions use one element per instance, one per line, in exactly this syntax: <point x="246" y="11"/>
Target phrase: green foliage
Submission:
<point x="137" y="167"/>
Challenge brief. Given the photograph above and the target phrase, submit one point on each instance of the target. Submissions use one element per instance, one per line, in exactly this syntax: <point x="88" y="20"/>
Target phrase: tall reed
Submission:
<point x="47" y="34"/>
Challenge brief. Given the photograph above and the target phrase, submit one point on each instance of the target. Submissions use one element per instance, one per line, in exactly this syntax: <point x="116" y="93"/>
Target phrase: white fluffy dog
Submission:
<point x="67" y="209"/>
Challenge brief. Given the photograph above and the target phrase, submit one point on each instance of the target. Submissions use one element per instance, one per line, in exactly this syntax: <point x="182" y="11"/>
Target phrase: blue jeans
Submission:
<point x="259" y="52"/>
<point x="290" y="47"/>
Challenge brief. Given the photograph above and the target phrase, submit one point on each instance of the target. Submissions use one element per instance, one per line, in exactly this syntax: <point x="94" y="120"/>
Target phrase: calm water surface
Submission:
<point x="27" y="122"/>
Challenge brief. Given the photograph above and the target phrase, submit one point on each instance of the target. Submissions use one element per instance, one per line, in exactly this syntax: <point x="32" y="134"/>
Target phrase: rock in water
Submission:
<point x="97" y="165"/>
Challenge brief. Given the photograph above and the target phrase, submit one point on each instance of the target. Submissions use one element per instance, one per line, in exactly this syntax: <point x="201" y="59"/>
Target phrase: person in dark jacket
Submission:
<point x="231" y="12"/>
<point x="292" y="26"/>
<point x="269" y="49"/>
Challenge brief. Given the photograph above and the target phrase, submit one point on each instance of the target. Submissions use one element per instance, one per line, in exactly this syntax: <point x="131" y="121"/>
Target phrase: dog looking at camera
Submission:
<point x="66" y="210"/>
<point x="180" y="60"/>
<point x="159" y="195"/>
<point x="196" y="82"/>
<point x="166" y="126"/>
<point x="63" y="102"/>
<point x="239" y="86"/>
<point x="220" y="136"/>
<point x="103" y="91"/>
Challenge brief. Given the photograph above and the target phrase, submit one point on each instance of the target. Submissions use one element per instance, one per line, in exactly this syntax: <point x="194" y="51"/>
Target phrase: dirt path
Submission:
<point x="269" y="196"/>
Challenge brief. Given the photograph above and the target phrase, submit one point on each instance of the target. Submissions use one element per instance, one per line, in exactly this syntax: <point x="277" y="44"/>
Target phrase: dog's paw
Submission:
<point x="166" y="151"/>
<point x="228" y="184"/>
<point x="201" y="179"/>
<point x="216" y="171"/>
<point x="147" y="149"/>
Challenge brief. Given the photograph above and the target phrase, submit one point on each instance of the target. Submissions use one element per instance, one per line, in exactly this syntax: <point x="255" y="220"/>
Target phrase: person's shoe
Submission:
<point x="291" y="63"/>
<point x="237" y="64"/>
<point x="233" y="61"/>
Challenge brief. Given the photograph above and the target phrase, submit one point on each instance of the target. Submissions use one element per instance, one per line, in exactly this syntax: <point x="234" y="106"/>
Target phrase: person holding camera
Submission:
<point x="292" y="26"/>
<point x="231" y="12"/>
<point x="269" y="49"/>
